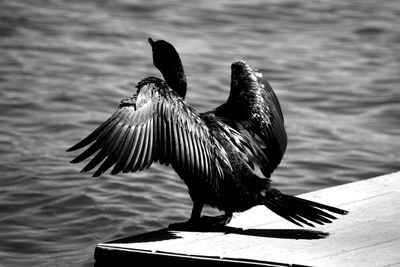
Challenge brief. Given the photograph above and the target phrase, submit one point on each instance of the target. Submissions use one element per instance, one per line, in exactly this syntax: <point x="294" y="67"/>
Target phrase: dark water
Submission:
<point x="65" y="65"/>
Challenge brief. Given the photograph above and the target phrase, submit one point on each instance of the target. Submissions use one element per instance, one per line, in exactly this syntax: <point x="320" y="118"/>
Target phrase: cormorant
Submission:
<point x="214" y="152"/>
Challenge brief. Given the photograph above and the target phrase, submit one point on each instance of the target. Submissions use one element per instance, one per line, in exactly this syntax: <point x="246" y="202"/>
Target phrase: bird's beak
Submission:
<point x="151" y="42"/>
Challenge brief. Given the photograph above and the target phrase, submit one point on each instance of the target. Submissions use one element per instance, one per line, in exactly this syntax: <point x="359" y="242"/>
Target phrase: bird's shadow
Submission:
<point x="168" y="234"/>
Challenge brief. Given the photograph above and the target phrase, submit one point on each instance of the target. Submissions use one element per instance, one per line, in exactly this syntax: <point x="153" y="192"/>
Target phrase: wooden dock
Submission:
<point x="368" y="236"/>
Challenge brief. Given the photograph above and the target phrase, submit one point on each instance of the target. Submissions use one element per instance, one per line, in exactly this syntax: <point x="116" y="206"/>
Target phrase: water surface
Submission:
<point x="65" y="65"/>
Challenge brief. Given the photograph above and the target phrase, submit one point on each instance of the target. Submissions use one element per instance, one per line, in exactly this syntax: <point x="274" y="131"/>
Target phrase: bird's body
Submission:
<point x="214" y="153"/>
<point x="234" y="191"/>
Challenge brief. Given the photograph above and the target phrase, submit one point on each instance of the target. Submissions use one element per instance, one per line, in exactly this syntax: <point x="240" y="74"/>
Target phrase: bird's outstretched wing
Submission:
<point x="154" y="125"/>
<point x="253" y="109"/>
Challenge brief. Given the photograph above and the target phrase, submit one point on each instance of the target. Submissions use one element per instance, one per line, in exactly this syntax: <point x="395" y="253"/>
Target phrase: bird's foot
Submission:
<point x="217" y="221"/>
<point x="204" y="223"/>
<point x="189" y="225"/>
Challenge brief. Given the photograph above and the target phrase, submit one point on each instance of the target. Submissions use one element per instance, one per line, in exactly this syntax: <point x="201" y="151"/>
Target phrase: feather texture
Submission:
<point x="254" y="110"/>
<point x="155" y="125"/>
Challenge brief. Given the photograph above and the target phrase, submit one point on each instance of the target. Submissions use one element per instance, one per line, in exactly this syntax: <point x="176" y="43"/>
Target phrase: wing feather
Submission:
<point x="205" y="165"/>
<point x="99" y="136"/>
<point x="190" y="151"/>
<point x="152" y="144"/>
<point x="124" y="152"/>
<point x="196" y="157"/>
<point x="112" y="157"/>
<point x="137" y="149"/>
<point x="135" y="136"/>
<point x="93" y="136"/>
<point x="102" y="154"/>
<point x="145" y="149"/>
<point x="174" y="143"/>
<point x="163" y="148"/>
<point x="182" y="147"/>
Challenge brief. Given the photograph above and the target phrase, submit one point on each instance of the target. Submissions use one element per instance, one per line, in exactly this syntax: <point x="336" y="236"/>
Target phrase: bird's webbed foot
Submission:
<point x="204" y="223"/>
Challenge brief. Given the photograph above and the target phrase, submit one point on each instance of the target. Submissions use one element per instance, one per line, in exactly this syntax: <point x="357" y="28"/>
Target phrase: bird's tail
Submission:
<point x="297" y="210"/>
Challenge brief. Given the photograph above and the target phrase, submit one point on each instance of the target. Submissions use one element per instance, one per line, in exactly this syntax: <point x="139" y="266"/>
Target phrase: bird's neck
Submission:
<point x="176" y="79"/>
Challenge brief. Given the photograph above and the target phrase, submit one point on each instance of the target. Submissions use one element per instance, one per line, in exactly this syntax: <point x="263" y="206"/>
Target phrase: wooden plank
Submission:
<point x="368" y="236"/>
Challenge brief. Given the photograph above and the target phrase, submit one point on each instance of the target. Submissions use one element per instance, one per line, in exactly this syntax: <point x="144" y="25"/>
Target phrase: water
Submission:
<point x="65" y="65"/>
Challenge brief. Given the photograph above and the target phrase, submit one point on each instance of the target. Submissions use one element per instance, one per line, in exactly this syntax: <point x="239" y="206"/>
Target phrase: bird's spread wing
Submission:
<point x="155" y="125"/>
<point x="253" y="109"/>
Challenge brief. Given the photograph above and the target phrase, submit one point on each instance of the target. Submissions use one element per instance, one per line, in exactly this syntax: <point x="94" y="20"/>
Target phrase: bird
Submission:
<point x="215" y="153"/>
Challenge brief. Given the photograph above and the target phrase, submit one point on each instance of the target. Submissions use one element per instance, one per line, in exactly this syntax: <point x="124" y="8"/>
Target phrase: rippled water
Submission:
<point x="65" y="65"/>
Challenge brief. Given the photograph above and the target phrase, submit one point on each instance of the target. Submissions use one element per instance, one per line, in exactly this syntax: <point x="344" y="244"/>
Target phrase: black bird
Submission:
<point x="214" y="153"/>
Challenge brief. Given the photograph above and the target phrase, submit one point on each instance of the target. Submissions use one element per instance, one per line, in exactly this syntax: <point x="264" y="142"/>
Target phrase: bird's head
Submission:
<point x="165" y="55"/>
<point x="166" y="59"/>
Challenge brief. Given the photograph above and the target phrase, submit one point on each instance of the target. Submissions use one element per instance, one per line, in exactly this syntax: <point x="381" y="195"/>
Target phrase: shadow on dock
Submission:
<point x="168" y="234"/>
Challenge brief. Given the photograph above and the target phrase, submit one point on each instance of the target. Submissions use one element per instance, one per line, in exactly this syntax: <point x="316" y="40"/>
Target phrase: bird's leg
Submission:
<point x="194" y="221"/>
<point x="196" y="212"/>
